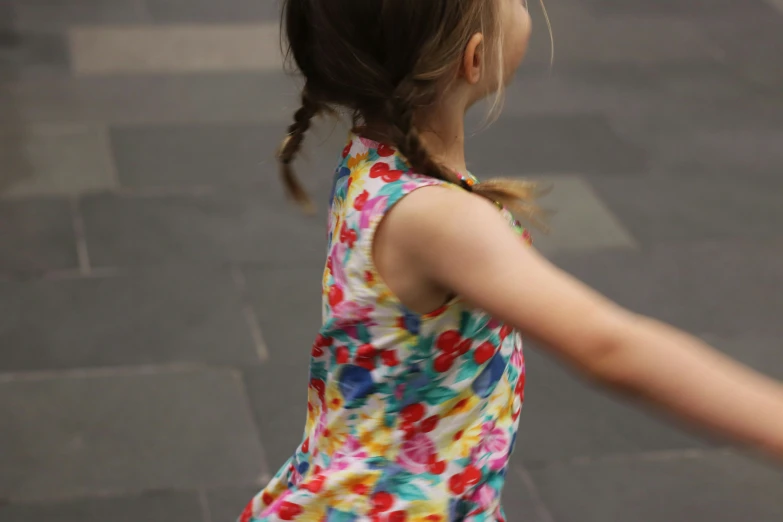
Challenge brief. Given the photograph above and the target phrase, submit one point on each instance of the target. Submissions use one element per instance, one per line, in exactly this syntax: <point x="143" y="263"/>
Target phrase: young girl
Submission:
<point x="417" y="376"/>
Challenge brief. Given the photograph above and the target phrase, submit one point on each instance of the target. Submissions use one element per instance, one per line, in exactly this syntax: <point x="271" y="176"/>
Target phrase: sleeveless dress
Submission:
<point x="409" y="417"/>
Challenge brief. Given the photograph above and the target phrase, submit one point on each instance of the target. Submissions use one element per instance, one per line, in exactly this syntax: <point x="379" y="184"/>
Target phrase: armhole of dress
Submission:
<point x="368" y="242"/>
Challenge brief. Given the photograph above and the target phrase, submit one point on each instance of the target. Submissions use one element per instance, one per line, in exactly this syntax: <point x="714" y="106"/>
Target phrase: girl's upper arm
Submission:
<point x="461" y="242"/>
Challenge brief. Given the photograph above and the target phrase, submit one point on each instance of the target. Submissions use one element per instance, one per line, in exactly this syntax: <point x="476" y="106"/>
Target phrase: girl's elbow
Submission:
<point x="608" y="355"/>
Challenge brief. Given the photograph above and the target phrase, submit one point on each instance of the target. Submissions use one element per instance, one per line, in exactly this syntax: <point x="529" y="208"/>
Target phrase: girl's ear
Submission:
<point x="472" y="61"/>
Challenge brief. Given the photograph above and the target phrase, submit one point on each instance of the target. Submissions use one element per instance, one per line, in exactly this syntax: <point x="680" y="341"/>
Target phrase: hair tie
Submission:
<point x="466" y="183"/>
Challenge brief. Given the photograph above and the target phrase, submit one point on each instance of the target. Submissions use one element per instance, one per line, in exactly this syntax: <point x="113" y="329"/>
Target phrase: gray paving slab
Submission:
<point x="690" y="8"/>
<point x="287" y="302"/>
<point x="695" y="204"/>
<point x="175" y="49"/>
<point x="225" y="504"/>
<point x="36" y="236"/>
<point x="580" y="220"/>
<point x="162" y="316"/>
<point x="625" y="37"/>
<point x="747" y="43"/>
<point x="30" y="54"/>
<point x="124" y="433"/>
<point x="64" y="160"/>
<point x="7" y="16"/>
<point x="150" y="507"/>
<point x="745" y="156"/>
<point x="659" y="95"/>
<point x="564" y="418"/>
<point x="521" y="502"/>
<point x="278" y="397"/>
<point x="582" y="143"/>
<point x="209" y="229"/>
<point x="207" y="11"/>
<point x="722" y="288"/>
<point x="230" y="97"/>
<point x="717" y="487"/>
<point x="219" y="154"/>
<point x="45" y="15"/>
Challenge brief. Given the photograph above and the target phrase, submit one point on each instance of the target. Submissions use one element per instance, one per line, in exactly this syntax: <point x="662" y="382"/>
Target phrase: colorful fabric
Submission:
<point x="410" y="417"/>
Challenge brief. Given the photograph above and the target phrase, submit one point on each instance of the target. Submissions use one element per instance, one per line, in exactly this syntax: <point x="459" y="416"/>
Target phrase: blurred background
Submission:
<point x="158" y="295"/>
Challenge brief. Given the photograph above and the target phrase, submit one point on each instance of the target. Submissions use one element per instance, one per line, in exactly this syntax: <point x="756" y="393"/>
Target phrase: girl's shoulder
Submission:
<point x="371" y="178"/>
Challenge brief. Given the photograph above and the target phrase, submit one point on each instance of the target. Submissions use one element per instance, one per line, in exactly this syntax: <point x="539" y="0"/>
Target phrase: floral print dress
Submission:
<point x="409" y="417"/>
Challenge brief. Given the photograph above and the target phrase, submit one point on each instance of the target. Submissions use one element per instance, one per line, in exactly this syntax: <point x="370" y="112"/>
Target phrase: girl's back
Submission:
<point x="409" y="415"/>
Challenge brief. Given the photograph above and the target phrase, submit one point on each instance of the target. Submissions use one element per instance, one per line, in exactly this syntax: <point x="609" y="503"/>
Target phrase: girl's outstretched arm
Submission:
<point x="462" y="243"/>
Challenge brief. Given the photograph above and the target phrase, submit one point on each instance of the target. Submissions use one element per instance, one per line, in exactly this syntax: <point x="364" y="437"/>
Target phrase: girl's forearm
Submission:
<point x="684" y="376"/>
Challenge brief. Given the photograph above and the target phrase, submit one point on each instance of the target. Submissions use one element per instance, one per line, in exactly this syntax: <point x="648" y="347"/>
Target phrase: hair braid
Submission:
<point x="292" y="144"/>
<point x="518" y="195"/>
<point x="400" y="110"/>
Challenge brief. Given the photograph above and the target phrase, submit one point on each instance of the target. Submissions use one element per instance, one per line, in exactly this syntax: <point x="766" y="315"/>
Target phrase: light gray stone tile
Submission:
<point x="175" y="49"/>
<point x="580" y="221"/>
<point x="66" y="437"/>
<point x="63" y="160"/>
<point x="191" y="98"/>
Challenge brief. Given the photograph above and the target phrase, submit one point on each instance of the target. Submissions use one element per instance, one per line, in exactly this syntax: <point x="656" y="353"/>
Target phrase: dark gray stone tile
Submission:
<point x="46" y="15"/>
<point x="716" y="487"/>
<point x="38" y="55"/>
<point x="256" y="225"/>
<point x="125" y="432"/>
<point x="226" y="504"/>
<point x="575" y="88"/>
<point x="219" y="155"/>
<point x="287" y="302"/>
<point x="280" y="416"/>
<point x="150" y="507"/>
<point x="629" y="37"/>
<point x="157" y="317"/>
<point x="167" y="99"/>
<point x="36" y="236"/>
<point x="7" y="16"/>
<point x="747" y="42"/>
<point x="702" y="203"/>
<point x="691" y="8"/>
<point x="662" y="96"/>
<point x="564" y="418"/>
<point x="56" y="160"/>
<point x="584" y="143"/>
<point x="519" y="502"/>
<point x="214" y="12"/>
<point x="726" y="289"/>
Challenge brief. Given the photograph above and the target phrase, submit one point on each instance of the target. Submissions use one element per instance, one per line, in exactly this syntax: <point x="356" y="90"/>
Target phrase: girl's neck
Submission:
<point x="444" y="136"/>
<point x="442" y="132"/>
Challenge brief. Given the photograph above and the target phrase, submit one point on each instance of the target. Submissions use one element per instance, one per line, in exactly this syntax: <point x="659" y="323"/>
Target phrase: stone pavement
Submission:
<point x="159" y="297"/>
